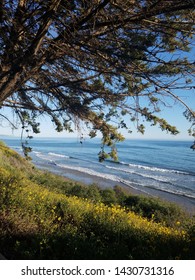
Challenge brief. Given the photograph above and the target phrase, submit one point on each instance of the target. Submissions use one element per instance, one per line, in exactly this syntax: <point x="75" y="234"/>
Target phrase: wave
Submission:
<point x="120" y="169"/>
<point x="159" y="179"/>
<point x="105" y="176"/>
<point x="155" y="178"/>
<point x="55" y="156"/>
<point x="58" y="155"/>
<point x="91" y="172"/>
<point x="42" y="156"/>
<point x="132" y="185"/>
<point x="149" y="176"/>
<point x="165" y="184"/>
<point x="37" y="153"/>
<point x="152" y="168"/>
<point x="159" y="188"/>
<point x="175" y="192"/>
<point x="159" y="169"/>
<point x="173" y="188"/>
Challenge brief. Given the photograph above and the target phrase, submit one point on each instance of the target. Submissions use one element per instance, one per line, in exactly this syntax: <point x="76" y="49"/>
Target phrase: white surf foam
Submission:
<point x="157" y="169"/>
<point x="91" y="172"/>
<point x="58" y="155"/>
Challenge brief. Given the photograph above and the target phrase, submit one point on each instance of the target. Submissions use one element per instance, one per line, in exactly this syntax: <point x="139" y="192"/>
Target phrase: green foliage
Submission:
<point x="108" y="196"/>
<point x="121" y="194"/>
<point x="156" y="209"/>
<point x="92" y="192"/>
<point x="164" y="125"/>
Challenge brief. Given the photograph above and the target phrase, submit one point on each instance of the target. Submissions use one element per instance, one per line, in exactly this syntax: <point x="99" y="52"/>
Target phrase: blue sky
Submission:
<point x="173" y="115"/>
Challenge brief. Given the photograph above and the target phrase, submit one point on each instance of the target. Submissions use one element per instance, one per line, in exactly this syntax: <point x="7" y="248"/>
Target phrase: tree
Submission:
<point x="95" y="62"/>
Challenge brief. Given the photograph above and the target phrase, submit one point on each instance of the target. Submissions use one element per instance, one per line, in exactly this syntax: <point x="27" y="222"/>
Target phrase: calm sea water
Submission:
<point x="163" y="165"/>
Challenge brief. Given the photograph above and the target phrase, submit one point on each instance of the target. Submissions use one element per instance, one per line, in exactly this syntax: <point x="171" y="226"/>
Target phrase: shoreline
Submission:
<point x="187" y="203"/>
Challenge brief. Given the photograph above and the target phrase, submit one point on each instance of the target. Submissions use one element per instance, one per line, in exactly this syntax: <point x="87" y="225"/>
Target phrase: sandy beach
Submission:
<point x="185" y="202"/>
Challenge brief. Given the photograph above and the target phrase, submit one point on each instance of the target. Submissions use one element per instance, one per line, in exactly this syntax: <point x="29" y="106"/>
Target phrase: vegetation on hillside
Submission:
<point x="45" y="216"/>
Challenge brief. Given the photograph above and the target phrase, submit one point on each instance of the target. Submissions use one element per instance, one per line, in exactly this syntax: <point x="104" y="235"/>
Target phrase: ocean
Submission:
<point x="144" y="165"/>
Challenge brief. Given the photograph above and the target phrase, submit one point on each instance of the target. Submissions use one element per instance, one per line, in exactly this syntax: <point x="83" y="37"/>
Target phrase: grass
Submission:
<point x="45" y="216"/>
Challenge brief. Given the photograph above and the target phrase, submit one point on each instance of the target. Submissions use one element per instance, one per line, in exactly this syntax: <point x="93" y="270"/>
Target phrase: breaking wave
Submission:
<point x="151" y="168"/>
<point x="58" y="155"/>
<point x="91" y="172"/>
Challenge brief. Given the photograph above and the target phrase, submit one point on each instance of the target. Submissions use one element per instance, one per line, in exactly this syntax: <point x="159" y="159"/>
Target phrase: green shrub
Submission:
<point x="91" y="192"/>
<point x="121" y="194"/>
<point x="108" y="196"/>
<point x="156" y="209"/>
